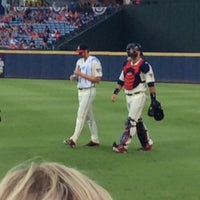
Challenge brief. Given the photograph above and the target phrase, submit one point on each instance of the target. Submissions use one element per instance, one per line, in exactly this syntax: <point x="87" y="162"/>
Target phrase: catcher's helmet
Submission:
<point x="135" y="46"/>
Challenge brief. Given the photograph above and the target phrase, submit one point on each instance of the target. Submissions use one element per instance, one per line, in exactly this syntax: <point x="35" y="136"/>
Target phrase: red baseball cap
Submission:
<point x="81" y="48"/>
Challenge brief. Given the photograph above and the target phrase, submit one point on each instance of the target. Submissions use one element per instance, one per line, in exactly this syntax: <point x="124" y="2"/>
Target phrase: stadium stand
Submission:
<point x="41" y="27"/>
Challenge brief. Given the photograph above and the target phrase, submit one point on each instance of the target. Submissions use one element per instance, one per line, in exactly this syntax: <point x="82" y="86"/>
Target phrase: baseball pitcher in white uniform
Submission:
<point x="136" y="76"/>
<point x="88" y="73"/>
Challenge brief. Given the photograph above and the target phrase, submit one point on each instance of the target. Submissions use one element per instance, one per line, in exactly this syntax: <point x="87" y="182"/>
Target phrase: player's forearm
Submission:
<point x="94" y="79"/>
<point x="91" y="78"/>
<point x="152" y="90"/>
<point x="117" y="89"/>
<point x="118" y="86"/>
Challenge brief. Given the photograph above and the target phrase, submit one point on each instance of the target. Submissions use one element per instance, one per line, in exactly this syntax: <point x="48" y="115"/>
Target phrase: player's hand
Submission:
<point x="72" y="77"/>
<point x="78" y="73"/>
<point x="113" y="97"/>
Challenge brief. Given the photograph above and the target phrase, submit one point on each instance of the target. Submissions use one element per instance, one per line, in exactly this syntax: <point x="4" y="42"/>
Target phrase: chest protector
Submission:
<point x="130" y="72"/>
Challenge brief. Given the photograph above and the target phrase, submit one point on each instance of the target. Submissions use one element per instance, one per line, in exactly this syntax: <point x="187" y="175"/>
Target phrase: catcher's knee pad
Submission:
<point x="142" y="133"/>
<point x="129" y="123"/>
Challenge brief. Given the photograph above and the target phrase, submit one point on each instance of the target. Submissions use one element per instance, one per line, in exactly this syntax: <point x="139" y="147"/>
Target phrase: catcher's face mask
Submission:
<point x="132" y="53"/>
<point x="133" y="50"/>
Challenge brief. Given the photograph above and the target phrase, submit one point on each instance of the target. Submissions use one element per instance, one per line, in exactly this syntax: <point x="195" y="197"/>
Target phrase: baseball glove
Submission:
<point x="155" y="110"/>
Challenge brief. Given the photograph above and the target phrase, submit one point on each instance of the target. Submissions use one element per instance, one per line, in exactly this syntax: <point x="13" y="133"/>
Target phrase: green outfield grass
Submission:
<point x="37" y="115"/>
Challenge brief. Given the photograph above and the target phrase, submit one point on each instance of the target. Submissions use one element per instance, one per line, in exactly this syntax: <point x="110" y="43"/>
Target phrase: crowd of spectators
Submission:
<point x="39" y="27"/>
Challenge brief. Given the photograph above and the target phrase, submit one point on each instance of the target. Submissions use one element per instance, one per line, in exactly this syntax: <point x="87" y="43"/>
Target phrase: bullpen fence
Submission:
<point x="168" y="67"/>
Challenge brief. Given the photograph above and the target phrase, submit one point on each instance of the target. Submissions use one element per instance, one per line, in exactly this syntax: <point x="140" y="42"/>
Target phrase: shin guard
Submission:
<point x="126" y="136"/>
<point x="142" y="133"/>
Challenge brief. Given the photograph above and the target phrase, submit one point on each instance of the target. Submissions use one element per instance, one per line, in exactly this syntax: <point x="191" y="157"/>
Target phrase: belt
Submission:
<point x="86" y="88"/>
<point x="133" y="93"/>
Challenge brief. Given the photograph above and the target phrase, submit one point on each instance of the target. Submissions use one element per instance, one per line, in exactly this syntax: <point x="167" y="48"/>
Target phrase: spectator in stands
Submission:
<point x="84" y="18"/>
<point x="76" y="15"/>
<point x="110" y="9"/>
<point x="32" y="44"/>
<point x="35" y="34"/>
<point x="56" y="34"/>
<point x="27" y="14"/>
<point x="45" y="38"/>
<point x="23" y="44"/>
<point x="28" y="28"/>
<point x="20" y="30"/>
<point x="47" y="30"/>
<point x="49" y="180"/>
<point x="13" y="43"/>
<point x="59" y="17"/>
<point x="18" y="19"/>
<point x="5" y="19"/>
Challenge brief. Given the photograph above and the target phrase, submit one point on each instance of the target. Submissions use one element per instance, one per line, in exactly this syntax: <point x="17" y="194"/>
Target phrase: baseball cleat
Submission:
<point x="92" y="144"/>
<point x="70" y="142"/>
<point x="148" y="147"/>
<point x="119" y="148"/>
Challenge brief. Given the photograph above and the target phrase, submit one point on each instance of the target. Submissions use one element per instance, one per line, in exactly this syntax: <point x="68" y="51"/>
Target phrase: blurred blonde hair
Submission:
<point x="49" y="181"/>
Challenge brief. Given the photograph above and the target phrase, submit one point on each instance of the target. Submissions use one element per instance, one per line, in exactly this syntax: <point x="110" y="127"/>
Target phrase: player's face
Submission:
<point x="133" y="53"/>
<point x="80" y="53"/>
<point x="83" y="53"/>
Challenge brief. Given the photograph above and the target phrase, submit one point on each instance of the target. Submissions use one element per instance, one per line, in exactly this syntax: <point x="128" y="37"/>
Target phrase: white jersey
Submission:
<point x="91" y="66"/>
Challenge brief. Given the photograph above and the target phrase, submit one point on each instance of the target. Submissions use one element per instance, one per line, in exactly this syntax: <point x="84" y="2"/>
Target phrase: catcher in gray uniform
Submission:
<point x="136" y="76"/>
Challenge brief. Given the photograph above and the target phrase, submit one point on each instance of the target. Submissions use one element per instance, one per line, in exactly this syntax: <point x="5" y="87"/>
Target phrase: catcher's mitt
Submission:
<point x="155" y="110"/>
